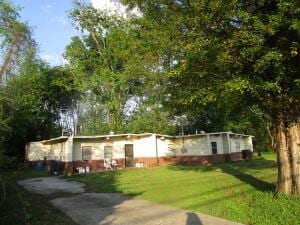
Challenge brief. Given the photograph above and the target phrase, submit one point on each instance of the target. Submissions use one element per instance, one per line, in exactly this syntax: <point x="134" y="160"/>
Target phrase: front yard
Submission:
<point x="240" y="191"/>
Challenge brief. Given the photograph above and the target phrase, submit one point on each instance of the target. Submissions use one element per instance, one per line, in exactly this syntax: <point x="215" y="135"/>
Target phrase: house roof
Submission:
<point x="64" y="138"/>
<point x="215" y="133"/>
<point x="113" y="135"/>
<point x="55" y="140"/>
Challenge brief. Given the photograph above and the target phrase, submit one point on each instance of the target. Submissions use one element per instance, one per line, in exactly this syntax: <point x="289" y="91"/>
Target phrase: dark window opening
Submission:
<point x="214" y="148"/>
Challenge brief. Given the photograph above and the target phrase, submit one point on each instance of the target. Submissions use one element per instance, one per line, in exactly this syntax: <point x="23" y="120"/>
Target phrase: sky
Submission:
<point x="52" y="29"/>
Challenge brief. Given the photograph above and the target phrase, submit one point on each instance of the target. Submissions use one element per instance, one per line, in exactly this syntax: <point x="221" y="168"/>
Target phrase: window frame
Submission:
<point x="83" y="152"/>
<point x="214" y="147"/>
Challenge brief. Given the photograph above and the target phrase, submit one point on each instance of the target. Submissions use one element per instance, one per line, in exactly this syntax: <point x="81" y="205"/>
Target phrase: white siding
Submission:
<point x="242" y="140"/>
<point x="145" y="146"/>
<point x="142" y="147"/>
<point x="36" y="151"/>
<point x="216" y="138"/>
<point x="225" y="143"/>
<point x="56" y="151"/>
<point x="97" y="148"/>
<point x="165" y="147"/>
<point x="193" y="145"/>
<point x="248" y="143"/>
<point x="67" y="154"/>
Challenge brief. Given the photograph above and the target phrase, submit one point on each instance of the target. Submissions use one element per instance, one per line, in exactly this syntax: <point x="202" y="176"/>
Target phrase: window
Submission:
<point x="214" y="148"/>
<point x="108" y="152"/>
<point x="86" y="152"/>
<point x="237" y="146"/>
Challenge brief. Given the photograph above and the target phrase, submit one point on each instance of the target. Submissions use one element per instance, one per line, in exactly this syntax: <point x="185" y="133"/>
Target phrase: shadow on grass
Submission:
<point x="102" y="181"/>
<point x="81" y="207"/>
<point x="239" y="170"/>
<point x="241" y="174"/>
<point x="21" y="207"/>
<point x="187" y="167"/>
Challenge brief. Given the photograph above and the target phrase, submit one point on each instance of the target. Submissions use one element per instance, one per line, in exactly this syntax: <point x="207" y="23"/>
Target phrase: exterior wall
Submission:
<point x="55" y="151"/>
<point x="244" y="143"/>
<point x="235" y="156"/>
<point x="187" y="159"/>
<point x="219" y="139"/>
<point x="248" y="143"/>
<point x="36" y="151"/>
<point x="166" y="147"/>
<point x="225" y="143"/>
<point x="142" y="147"/>
<point x="58" y="151"/>
<point x="67" y="153"/>
<point x="144" y="151"/>
<point x="193" y="145"/>
<point x="198" y="150"/>
<point x="96" y="145"/>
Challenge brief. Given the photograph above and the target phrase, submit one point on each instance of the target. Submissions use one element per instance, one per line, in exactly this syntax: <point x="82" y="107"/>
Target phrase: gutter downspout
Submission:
<point x="72" y="152"/>
<point x="229" y="144"/>
<point x="209" y="148"/>
<point x="229" y="147"/>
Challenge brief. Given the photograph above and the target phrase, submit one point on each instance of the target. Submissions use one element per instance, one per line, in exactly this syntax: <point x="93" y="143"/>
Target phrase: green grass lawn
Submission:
<point x="19" y="207"/>
<point x="239" y="191"/>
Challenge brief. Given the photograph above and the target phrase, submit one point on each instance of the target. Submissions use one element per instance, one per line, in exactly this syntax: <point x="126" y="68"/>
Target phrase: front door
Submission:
<point x="129" y="159"/>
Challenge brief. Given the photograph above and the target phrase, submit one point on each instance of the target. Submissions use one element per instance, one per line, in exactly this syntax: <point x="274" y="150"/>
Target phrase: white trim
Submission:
<point x="208" y="143"/>
<point x="229" y="144"/>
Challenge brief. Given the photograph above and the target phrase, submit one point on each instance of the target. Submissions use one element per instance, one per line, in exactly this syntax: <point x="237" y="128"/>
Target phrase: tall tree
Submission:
<point x="31" y="103"/>
<point x="15" y="39"/>
<point x="108" y="65"/>
<point x="244" y="48"/>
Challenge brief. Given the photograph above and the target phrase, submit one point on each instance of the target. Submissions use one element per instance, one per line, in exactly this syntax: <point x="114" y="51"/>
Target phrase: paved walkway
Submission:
<point x="50" y="185"/>
<point x="113" y="208"/>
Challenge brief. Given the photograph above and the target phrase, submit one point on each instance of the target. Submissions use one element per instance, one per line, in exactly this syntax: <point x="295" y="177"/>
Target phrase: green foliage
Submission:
<point x="31" y="103"/>
<point x="219" y="60"/>
<point x="150" y="120"/>
<point x="8" y="14"/>
<point x="20" y="207"/>
<point x="248" y="52"/>
<point x="7" y="162"/>
<point x="110" y="72"/>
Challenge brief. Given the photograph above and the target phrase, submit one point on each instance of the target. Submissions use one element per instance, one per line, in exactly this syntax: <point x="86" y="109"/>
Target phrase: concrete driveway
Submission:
<point x="50" y="185"/>
<point x="113" y="208"/>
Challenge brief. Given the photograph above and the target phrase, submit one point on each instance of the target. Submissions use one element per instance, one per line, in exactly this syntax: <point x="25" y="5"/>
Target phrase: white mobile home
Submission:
<point x="140" y="150"/>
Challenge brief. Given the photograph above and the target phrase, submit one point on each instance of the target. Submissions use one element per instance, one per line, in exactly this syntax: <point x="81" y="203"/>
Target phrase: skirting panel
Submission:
<point x="150" y="161"/>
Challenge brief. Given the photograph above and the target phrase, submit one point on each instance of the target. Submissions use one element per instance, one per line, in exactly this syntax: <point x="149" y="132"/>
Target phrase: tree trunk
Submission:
<point x="294" y="139"/>
<point x="286" y="141"/>
<point x="9" y="59"/>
